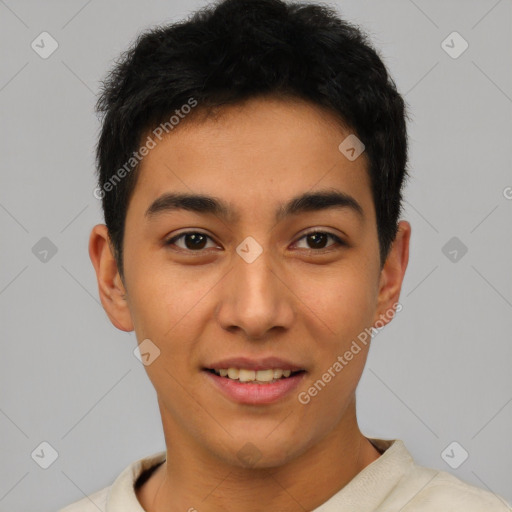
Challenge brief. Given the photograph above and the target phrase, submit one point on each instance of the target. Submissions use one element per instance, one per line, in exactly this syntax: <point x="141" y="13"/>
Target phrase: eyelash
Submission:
<point x="339" y="241"/>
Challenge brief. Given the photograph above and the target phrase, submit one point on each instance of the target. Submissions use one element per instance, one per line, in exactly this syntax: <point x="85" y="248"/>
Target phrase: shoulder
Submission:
<point x="121" y="494"/>
<point x="92" y="503"/>
<point x="440" y="490"/>
<point x="446" y="488"/>
<point x="416" y="488"/>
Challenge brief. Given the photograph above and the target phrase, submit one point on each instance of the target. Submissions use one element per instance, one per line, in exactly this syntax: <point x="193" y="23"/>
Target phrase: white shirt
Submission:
<point x="392" y="483"/>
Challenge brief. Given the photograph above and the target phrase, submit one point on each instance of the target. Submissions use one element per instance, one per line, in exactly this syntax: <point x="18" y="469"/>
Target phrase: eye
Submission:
<point x="195" y="241"/>
<point x="318" y="240"/>
<point x="192" y="240"/>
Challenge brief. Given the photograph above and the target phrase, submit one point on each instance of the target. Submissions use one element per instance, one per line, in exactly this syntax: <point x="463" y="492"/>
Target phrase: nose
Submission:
<point x="256" y="299"/>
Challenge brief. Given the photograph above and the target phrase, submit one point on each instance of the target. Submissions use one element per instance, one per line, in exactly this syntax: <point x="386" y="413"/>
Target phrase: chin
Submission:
<point x="261" y="451"/>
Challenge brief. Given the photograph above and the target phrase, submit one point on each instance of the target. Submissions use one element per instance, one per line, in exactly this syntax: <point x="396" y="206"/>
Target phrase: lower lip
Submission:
<point x="253" y="393"/>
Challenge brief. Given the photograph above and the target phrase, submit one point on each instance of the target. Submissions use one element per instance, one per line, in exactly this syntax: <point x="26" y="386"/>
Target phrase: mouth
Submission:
<point x="246" y="376"/>
<point x="254" y="387"/>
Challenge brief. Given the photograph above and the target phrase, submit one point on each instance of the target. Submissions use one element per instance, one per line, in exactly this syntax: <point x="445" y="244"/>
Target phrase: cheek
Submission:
<point x="341" y="302"/>
<point x="341" y="306"/>
<point x="171" y="309"/>
<point x="352" y="309"/>
<point x="346" y="307"/>
<point x="165" y="302"/>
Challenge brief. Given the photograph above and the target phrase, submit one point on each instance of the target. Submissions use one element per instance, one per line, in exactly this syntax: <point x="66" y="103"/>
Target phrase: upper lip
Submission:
<point x="265" y="363"/>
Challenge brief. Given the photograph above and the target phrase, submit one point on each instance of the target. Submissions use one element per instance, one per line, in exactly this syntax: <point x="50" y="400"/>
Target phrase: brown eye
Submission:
<point x="317" y="240"/>
<point x="192" y="241"/>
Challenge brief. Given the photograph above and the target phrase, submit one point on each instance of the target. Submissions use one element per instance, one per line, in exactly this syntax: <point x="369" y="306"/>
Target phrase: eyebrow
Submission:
<point x="203" y="204"/>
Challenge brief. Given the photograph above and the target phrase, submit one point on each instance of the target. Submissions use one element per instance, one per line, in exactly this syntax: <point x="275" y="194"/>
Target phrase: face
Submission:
<point x="250" y="280"/>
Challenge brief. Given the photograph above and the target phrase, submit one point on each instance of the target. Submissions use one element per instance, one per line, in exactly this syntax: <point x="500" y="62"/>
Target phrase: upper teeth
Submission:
<point x="244" y="375"/>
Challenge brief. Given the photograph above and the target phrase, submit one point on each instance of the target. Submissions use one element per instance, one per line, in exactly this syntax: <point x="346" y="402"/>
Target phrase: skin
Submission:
<point x="291" y="302"/>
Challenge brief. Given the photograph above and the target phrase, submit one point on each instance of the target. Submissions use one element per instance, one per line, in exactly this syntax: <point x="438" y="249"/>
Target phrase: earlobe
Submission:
<point x="111" y="289"/>
<point x="392" y="275"/>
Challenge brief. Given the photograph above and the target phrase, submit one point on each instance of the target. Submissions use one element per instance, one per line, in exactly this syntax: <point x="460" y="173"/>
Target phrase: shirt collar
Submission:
<point x="368" y="489"/>
<point x="363" y="493"/>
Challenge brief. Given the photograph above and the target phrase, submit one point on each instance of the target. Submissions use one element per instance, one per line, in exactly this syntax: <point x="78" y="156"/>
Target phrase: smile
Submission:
<point x="254" y="387"/>
<point x="260" y="376"/>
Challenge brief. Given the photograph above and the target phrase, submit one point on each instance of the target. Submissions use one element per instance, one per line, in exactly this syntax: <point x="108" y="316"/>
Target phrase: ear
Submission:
<point x="392" y="275"/>
<point x="111" y="288"/>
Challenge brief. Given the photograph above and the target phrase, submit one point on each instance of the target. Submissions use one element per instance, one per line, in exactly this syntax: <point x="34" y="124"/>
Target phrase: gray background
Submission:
<point x="440" y="372"/>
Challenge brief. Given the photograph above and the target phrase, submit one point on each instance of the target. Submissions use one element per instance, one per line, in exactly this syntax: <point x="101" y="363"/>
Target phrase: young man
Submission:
<point x="251" y="163"/>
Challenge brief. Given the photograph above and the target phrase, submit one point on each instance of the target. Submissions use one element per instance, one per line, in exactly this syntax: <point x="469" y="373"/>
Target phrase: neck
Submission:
<point x="192" y="479"/>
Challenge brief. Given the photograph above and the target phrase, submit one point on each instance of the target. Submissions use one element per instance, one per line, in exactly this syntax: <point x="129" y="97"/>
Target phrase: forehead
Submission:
<point x="261" y="151"/>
